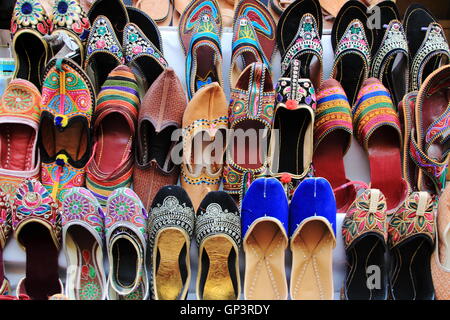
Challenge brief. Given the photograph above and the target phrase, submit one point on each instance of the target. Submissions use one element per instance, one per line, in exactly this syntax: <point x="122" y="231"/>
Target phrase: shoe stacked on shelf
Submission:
<point x="96" y="130"/>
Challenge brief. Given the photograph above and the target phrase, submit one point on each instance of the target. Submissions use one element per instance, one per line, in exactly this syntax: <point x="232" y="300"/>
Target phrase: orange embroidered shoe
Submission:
<point x="440" y="260"/>
<point x="19" y="123"/>
<point x="204" y="123"/>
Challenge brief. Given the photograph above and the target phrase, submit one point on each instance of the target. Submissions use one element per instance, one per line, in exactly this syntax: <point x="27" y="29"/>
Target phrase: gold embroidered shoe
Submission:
<point x="204" y="124"/>
<point x="411" y="242"/>
<point x="218" y="235"/>
<point x="171" y="227"/>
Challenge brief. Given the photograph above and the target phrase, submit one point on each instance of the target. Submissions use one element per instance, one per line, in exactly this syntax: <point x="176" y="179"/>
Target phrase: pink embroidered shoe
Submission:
<point x="37" y="228"/>
<point x="19" y="123"/>
<point x="83" y="235"/>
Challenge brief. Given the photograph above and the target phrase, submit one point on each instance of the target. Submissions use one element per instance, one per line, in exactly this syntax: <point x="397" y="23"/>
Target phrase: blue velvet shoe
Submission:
<point x="312" y="230"/>
<point x="264" y="217"/>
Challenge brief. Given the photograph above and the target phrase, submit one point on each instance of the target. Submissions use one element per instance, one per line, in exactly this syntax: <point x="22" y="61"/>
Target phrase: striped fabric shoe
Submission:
<point x="111" y="164"/>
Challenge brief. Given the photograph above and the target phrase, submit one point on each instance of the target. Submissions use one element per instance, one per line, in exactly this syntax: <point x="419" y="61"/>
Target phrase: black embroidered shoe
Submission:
<point x="218" y="235"/>
<point x="171" y="227"/>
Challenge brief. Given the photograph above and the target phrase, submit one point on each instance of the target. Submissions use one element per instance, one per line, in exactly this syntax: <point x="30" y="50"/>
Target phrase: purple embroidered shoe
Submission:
<point x="126" y="234"/>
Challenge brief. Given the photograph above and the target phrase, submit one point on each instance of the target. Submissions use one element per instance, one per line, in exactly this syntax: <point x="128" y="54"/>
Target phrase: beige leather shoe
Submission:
<point x="204" y="123"/>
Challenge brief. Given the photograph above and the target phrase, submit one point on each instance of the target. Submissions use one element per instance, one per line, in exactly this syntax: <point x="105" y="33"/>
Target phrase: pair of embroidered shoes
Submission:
<point x="33" y="216"/>
<point x="409" y="238"/>
<point x="30" y="26"/>
<point x="376" y="124"/>
<point x="308" y="224"/>
<point x="53" y="127"/>
<point x="122" y="226"/>
<point x="217" y="230"/>
<point x="417" y="47"/>
<point x="122" y="35"/>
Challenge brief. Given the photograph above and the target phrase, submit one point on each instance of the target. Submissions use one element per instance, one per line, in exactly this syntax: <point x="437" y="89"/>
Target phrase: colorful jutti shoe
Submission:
<point x="352" y="41"/>
<point x="29" y="25"/>
<point x="69" y="18"/>
<point x="429" y="48"/>
<point x="333" y="130"/>
<point x="65" y="137"/>
<point x="430" y="131"/>
<point x="126" y="244"/>
<point x="218" y="235"/>
<point x="83" y="236"/>
<point x="377" y="128"/>
<point x="103" y="52"/>
<point x="253" y="37"/>
<point x="411" y="243"/>
<point x="37" y="228"/>
<point x="111" y="164"/>
<point x="364" y="232"/>
<point x="299" y="33"/>
<point x="144" y="57"/>
<point x="19" y="124"/>
<point x="115" y="10"/>
<point x="291" y="139"/>
<point x="204" y="124"/>
<point x="200" y="33"/>
<point x="171" y="227"/>
<point x="251" y="114"/>
<point x="5" y="229"/>
<point x="390" y="45"/>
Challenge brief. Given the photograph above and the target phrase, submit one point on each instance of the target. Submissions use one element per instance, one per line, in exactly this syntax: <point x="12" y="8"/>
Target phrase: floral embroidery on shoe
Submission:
<point x="416" y="215"/>
<point x="136" y="45"/>
<point x="68" y="14"/>
<point x="103" y="39"/>
<point x="366" y="214"/>
<point x="30" y="14"/>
